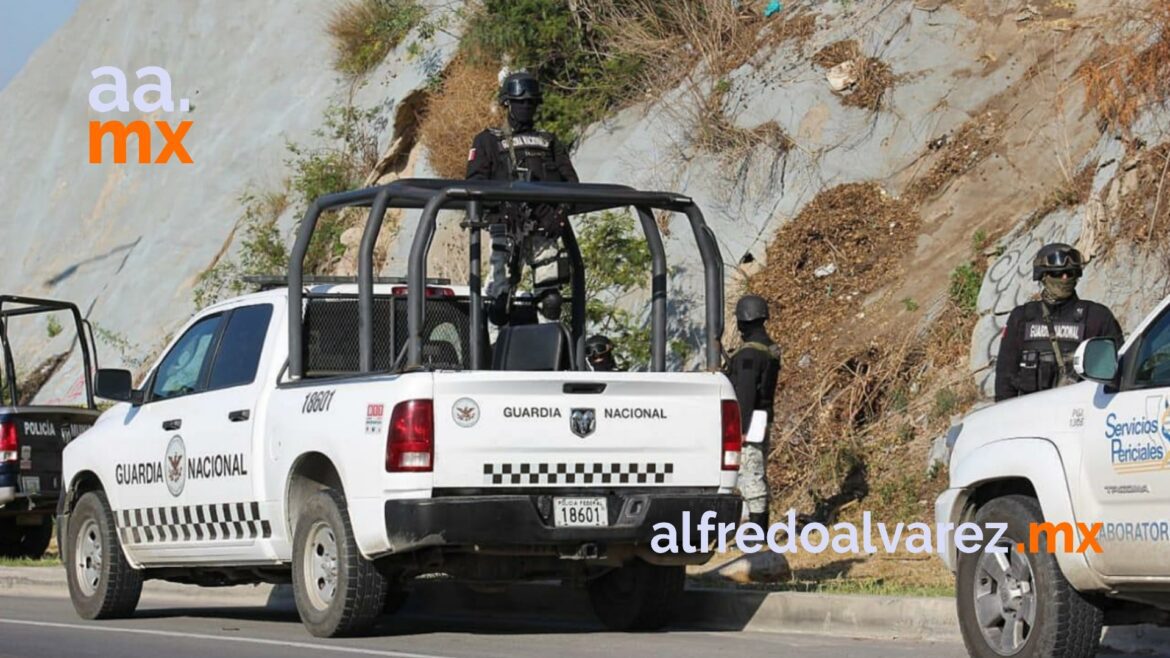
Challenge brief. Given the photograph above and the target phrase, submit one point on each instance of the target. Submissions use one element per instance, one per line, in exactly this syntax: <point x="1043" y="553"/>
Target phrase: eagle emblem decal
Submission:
<point x="465" y="412"/>
<point x="176" y="457"/>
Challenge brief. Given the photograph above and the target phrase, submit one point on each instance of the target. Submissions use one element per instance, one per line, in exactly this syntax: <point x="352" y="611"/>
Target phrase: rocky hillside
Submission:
<point x="883" y="171"/>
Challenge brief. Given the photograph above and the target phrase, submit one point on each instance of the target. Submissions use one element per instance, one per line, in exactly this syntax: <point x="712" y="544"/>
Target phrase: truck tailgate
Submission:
<point x="569" y="429"/>
<point x="41" y="434"/>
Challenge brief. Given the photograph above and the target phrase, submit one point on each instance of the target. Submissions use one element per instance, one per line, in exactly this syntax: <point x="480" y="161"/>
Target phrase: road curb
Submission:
<point x="50" y="582"/>
<point x="842" y="615"/>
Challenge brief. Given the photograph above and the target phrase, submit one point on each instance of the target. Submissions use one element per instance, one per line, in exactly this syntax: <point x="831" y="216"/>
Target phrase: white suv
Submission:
<point x="1097" y="452"/>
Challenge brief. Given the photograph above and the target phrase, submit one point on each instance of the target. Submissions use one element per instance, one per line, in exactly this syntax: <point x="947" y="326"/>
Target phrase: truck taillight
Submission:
<point x="410" y="447"/>
<point x="732" y="436"/>
<point x="8" y="447"/>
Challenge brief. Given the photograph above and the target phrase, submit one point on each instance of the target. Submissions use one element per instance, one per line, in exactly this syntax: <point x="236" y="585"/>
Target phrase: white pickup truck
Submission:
<point x="301" y="434"/>
<point x="1096" y="452"/>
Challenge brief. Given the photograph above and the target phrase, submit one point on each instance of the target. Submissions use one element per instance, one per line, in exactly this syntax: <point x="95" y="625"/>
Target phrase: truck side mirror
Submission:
<point x="1096" y="360"/>
<point x="113" y="384"/>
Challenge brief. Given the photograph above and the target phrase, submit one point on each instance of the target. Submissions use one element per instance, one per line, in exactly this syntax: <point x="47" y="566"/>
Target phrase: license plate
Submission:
<point x="30" y="484"/>
<point x="580" y="512"/>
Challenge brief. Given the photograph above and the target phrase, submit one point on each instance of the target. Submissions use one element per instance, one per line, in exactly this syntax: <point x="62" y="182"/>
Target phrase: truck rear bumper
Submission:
<point x="527" y="520"/>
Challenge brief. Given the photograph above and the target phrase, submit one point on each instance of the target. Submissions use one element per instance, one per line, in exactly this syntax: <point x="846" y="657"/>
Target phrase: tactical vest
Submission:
<point x="1039" y="367"/>
<point x="534" y="156"/>
<point x="772" y="351"/>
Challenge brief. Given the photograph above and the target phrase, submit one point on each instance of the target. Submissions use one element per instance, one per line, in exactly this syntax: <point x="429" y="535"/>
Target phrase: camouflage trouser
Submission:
<point x="753" y="477"/>
<point x="537" y="250"/>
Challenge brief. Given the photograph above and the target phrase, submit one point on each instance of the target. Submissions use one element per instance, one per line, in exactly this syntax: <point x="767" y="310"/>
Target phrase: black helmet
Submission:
<point x="597" y="346"/>
<point x="750" y="308"/>
<point x="551" y="304"/>
<point x="519" y="85"/>
<point x="1057" y="258"/>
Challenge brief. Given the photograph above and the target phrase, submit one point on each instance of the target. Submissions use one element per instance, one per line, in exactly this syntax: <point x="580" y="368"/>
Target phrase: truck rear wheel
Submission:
<point x="1019" y="604"/>
<point x="102" y="584"/>
<point x="338" y="592"/>
<point x="637" y="597"/>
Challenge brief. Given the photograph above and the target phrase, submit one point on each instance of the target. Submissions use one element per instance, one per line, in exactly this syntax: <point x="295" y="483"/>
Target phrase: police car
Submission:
<point x="350" y="438"/>
<point x="32" y="436"/>
<point x="1093" y="460"/>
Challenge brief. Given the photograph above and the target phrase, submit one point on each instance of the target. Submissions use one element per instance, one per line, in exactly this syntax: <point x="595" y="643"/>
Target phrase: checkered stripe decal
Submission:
<point x="221" y="521"/>
<point x="578" y="473"/>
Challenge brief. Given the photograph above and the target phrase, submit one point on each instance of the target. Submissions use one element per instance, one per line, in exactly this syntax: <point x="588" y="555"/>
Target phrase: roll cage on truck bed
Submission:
<point x="433" y="195"/>
<point x="530" y="467"/>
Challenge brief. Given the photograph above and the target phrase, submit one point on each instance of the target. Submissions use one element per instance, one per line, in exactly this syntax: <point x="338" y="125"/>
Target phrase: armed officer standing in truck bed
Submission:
<point x="1041" y="337"/>
<point x="528" y="232"/>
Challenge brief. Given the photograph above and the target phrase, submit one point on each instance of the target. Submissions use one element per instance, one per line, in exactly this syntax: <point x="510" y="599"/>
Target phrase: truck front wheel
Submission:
<point x="102" y="584"/>
<point x="637" y="597"/>
<point x="1015" y="603"/>
<point x="338" y="592"/>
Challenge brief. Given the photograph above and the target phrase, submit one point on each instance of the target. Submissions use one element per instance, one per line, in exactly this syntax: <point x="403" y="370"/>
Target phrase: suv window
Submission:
<point x="1152" y="367"/>
<point x="240" y="348"/>
<point x="180" y="371"/>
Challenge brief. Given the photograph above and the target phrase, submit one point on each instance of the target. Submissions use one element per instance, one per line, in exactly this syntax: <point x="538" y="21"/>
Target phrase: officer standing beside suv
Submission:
<point x="1041" y="336"/>
<point x="754" y="369"/>
<point x="519" y="152"/>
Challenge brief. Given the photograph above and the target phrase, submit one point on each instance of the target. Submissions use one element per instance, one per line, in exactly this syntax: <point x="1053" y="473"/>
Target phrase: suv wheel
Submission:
<point x="102" y="584"/>
<point x="1014" y="603"/>
<point x="637" y="597"/>
<point x="337" y="591"/>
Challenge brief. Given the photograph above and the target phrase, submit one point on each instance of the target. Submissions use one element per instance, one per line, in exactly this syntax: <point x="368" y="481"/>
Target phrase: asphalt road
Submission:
<point x="43" y="628"/>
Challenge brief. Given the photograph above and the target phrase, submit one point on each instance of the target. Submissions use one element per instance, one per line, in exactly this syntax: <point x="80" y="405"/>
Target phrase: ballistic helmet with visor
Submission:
<point x="597" y="347"/>
<point x="751" y="308"/>
<point x="517" y="86"/>
<point x="1057" y="258"/>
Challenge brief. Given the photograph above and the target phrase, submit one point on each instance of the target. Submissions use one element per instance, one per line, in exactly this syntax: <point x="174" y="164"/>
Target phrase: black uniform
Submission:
<point x="537" y="152"/>
<point x="539" y="157"/>
<point x="1027" y="360"/>
<point x="754" y="370"/>
<point x="534" y="228"/>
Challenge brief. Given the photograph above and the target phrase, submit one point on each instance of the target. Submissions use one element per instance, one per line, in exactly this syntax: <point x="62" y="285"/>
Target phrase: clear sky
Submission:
<point x="24" y="26"/>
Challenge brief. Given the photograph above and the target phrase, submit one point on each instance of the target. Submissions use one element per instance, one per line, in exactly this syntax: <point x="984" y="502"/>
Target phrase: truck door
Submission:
<point x="148" y="495"/>
<point x="1126" y="463"/>
<point x="220" y="468"/>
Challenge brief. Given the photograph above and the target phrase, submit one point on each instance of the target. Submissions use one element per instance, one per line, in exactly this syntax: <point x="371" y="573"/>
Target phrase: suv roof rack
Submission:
<point x="272" y="281"/>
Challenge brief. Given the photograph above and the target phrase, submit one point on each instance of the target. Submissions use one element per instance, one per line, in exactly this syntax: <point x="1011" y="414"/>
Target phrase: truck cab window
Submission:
<point x="446" y="344"/>
<point x="239" y="349"/>
<point x="179" y="372"/>
<point x="1153" y="357"/>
